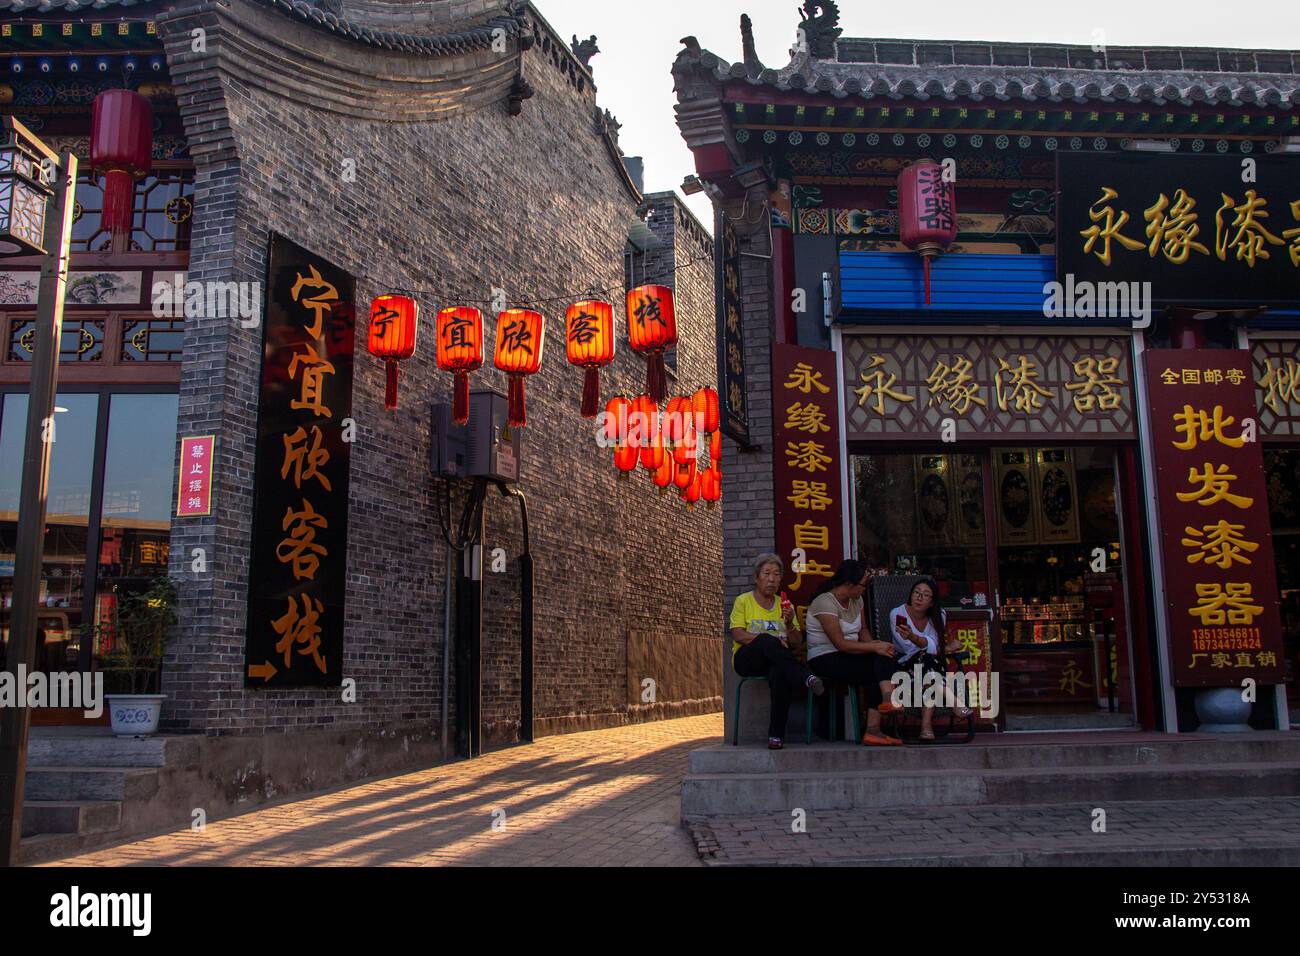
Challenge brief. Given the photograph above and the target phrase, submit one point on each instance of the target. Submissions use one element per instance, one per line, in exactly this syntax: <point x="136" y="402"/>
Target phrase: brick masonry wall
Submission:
<point x="532" y="204"/>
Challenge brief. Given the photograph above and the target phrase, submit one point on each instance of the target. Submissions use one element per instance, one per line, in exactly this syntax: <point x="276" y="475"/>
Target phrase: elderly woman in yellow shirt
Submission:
<point x="762" y="632"/>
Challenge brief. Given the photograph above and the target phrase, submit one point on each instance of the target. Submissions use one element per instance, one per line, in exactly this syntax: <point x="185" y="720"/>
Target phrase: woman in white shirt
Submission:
<point x="840" y="646"/>
<point x="919" y="626"/>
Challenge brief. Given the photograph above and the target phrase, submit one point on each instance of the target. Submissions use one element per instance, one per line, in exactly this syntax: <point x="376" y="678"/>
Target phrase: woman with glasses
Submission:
<point x="919" y="625"/>
<point x="840" y="646"/>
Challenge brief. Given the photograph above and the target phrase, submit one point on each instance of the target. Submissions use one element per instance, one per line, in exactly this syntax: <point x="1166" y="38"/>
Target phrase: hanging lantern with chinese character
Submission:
<point x="520" y="337"/>
<point x="590" y="343"/>
<point x="651" y="328"/>
<point x="664" y="474"/>
<point x="460" y="351"/>
<point x="646" y="432"/>
<point x="927" y="212"/>
<point x="704" y="403"/>
<point x="394" y="320"/>
<point x="121" y="149"/>
<point x="711" y="485"/>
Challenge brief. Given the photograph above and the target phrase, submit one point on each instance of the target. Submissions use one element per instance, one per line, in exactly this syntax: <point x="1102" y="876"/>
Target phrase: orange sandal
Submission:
<point x="879" y="740"/>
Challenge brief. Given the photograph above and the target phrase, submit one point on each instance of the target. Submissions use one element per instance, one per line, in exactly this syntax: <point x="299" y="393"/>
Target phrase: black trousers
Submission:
<point x="861" y="670"/>
<point x="765" y="656"/>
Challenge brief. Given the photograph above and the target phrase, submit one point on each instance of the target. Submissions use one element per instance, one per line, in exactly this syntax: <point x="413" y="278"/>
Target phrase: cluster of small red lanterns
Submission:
<point x="668" y="448"/>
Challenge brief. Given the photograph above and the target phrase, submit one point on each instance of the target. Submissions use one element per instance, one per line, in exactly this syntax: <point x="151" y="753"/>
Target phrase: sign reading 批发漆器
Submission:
<point x="1204" y="229"/>
<point x="1220" y="580"/>
<point x="300" y="518"/>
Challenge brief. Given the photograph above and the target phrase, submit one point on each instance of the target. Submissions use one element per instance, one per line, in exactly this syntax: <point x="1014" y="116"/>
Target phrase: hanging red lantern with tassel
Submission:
<point x="590" y="344"/>
<point x="711" y="486"/>
<point x="520" y="337"/>
<point x="665" y="474"/>
<point x="708" y="417"/>
<point x="927" y="212"/>
<point x="460" y="351"/>
<point x="652" y="328"/>
<point x="121" y="150"/>
<point x="394" y="321"/>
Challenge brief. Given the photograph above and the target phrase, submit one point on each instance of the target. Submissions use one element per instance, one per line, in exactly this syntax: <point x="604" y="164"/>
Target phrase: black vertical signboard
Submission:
<point x="298" y="575"/>
<point x="732" y="398"/>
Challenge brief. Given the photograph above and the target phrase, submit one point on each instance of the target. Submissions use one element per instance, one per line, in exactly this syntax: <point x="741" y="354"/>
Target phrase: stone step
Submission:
<point x="106" y="750"/>
<point x="79" y="784"/>
<point x="709" y="794"/>
<point x="1072" y="751"/>
<point x="65" y="816"/>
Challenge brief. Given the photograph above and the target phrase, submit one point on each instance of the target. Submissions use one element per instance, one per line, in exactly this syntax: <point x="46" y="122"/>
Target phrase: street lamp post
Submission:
<point x="37" y="195"/>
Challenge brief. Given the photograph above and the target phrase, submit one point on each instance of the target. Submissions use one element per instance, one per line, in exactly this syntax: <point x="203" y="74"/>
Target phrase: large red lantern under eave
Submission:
<point x="394" y="320"/>
<point x="927" y="212"/>
<point x="651" y="328"/>
<point x="520" y="337"/>
<point x="121" y="150"/>
<point x="590" y="345"/>
<point x="460" y="351"/>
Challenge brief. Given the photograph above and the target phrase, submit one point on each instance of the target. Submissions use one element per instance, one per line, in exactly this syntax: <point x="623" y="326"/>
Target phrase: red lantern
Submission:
<point x="705" y="405"/>
<point x="683" y="475"/>
<point x="590" y="338"/>
<point x="651" y="328"/>
<point x="691" y="493"/>
<point x="715" y="448"/>
<point x="711" y="486"/>
<point x="677" y="417"/>
<point x="121" y="149"/>
<point x="618" y="411"/>
<point x="625" y="459"/>
<point x="665" y="474"/>
<point x="644" y="433"/>
<point x="927" y="212"/>
<point x="460" y="350"/>
<point x="394" y="320"/>
<point x="520" y="337"/>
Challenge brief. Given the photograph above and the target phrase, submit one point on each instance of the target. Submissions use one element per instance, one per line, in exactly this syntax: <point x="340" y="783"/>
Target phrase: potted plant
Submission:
<point x="138" y="630"/>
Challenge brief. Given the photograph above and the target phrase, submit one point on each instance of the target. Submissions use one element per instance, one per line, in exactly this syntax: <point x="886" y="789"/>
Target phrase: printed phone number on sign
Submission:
<point x="1226" y="639"/>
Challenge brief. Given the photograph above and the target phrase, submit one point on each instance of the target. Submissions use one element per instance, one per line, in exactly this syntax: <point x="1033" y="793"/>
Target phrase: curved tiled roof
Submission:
<point x="440" y="44"/>
<point x="950" y="81"/>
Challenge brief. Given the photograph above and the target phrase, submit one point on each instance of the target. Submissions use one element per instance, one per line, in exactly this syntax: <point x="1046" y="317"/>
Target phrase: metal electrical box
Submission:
<point x="486" y="447"/>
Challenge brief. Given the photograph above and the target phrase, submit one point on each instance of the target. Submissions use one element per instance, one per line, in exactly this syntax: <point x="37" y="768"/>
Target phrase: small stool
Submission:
<point x="833" y="702"/>
<point x="808" y="721"/>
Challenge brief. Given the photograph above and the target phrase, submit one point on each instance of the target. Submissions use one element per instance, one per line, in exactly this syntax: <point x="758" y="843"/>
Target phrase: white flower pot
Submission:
<point x="134" y="715"/>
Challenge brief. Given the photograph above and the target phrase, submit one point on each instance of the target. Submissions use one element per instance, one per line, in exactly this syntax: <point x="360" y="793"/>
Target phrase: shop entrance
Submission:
<point x="1030" y="536"/>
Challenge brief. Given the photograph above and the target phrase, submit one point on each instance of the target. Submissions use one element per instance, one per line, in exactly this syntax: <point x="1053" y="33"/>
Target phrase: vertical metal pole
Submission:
<point x="30" y="546"/>
<point x="526" y="648"/>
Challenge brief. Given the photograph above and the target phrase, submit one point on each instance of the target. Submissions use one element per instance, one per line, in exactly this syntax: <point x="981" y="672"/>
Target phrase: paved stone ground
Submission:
<point x="1223" y="832"/>
<point x="605" y="798"/>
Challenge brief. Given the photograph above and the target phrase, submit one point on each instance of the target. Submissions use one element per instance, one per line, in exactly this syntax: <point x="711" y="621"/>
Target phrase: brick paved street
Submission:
<point x="605" y="798"/>
<point x="1224" y="832"/>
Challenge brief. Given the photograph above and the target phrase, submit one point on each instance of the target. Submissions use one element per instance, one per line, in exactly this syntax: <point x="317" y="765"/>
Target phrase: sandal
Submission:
<point x="774" y="743"/>
<point x="889" y="707"/>
<point x="962" y="712"/>
<point x="879" y="740"/>
<point x="926" y="736"/>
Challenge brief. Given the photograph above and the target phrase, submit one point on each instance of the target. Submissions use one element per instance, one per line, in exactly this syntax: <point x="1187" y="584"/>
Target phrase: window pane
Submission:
<point x="68" y="510"/>
<point x="139" y="475"/>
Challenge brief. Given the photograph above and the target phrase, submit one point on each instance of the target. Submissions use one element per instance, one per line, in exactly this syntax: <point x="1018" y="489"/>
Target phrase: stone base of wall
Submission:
<point x="638" y="714"/>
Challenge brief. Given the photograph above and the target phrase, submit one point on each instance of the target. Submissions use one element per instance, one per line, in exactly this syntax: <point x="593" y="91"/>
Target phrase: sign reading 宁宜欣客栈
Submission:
<point x="1204" y="229"/>
<point x="298" y="576"/>
<point x="732" y="398"/>
<point x="1220" y="580"/>
<point x="948" y="387"/>
<point x="806" y="468"/>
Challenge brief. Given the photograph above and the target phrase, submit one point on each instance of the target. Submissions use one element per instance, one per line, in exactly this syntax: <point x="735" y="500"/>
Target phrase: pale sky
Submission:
<point x="638" y="43"/>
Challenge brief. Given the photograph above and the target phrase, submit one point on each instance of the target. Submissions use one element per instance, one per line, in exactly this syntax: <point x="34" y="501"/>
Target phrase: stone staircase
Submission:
<point x="1040" y="768"/>
<point x="86" y="788"/>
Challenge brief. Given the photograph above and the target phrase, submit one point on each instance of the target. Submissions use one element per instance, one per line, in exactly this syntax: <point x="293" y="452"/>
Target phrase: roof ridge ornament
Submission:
<point x="819" y="28"/>
<point x="584" y="50"/>
<point x="753" y="65"/>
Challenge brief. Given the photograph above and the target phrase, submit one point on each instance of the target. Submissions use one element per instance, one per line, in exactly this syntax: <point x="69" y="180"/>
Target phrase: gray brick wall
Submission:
<point x="533" y="204"/>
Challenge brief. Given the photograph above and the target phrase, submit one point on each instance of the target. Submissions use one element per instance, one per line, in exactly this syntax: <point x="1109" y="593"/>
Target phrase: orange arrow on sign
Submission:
<point x="265" y="671"/>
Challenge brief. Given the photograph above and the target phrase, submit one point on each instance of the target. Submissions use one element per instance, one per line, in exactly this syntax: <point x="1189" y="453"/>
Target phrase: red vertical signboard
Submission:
<point x="806" y="468"/>
<point x="1220" y="581"/>
<point x="194" y="491"/>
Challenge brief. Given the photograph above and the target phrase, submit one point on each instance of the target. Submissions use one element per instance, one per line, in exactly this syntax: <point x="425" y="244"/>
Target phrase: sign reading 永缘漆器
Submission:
<point x="1203" y="229"/>
<point x="1220" y="580"/>
<point x="300" y="517"/>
